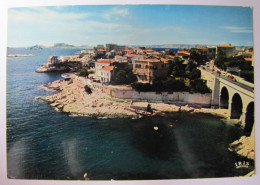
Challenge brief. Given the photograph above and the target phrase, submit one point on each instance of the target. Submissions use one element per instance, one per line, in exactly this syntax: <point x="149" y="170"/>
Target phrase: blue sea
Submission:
<point x="45" y="144"/>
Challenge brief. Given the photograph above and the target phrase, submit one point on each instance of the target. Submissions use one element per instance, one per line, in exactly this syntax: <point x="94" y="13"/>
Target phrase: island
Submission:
<point x="21" y="55"/>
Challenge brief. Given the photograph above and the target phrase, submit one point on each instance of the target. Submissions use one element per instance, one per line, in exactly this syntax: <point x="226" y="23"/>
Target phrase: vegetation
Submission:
<point x="123" y="74"/>
<point x="82" y="55"/>
<point x="84" y="72"/>
<point x="196" y="56"/>
<point x="88" y="89"/>
<point x="246" y="68"/>
<point x="180" y="78"/>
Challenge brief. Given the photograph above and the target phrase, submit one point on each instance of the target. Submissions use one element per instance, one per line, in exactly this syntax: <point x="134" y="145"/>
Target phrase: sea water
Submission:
<point x="45" y="144"/>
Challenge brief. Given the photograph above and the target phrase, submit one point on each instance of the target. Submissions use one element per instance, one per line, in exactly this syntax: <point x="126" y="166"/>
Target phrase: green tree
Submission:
<point x="84" y="72"/>
<point x="220" y="60"/>
<point x="195" y="74"/>
<point x="195" y="55"/>
<point x="199" y="86"/>
<point x="178" y="67"/>
<point x="88" y="89"/>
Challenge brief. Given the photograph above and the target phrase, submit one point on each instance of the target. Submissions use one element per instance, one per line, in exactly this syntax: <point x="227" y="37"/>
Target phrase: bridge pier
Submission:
<point x="215" y="94"/>
<point x="236" y="97"/>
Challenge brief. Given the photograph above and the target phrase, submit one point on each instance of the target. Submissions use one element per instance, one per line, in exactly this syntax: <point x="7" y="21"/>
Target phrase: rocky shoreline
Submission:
<point x="71" y="98"/>
<point x="244" y="147"/>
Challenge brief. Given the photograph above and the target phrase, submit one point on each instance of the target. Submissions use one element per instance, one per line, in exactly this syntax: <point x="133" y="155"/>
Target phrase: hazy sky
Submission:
<point x="130" y="25"/>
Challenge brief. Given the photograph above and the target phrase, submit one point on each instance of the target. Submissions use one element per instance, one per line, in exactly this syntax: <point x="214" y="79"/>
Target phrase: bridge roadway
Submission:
<point x="233" y="81"/>
<point x="244" y="86"/>
<point x="235" y="95"/>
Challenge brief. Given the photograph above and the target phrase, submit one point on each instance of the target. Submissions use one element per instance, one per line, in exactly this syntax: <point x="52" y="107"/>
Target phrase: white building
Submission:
<point x="106" y="73"/>
<point x="100" y="64"/>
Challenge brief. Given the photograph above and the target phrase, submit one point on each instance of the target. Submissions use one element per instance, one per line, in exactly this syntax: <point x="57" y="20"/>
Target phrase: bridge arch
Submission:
<point x="224" y="98"/>
<point x="250" y="118"/>
<point x="236" y="106"/>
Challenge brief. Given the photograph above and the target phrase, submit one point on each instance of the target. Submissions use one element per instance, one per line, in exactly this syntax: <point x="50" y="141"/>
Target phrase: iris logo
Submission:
<point x="242" y="164"/>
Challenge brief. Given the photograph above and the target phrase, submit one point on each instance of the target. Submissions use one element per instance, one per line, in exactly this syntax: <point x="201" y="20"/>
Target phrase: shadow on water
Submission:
<point x="155" y="138"/>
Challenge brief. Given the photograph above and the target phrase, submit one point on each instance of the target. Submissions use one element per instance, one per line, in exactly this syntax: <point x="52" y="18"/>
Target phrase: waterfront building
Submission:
<point x="106" y="74"/>
<point x="147" y="70"/>
<point x="226" y="49"/>
<point x="100" y="64"/>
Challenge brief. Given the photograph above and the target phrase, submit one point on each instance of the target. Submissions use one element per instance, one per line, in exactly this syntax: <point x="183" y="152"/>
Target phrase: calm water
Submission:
<point x="45" y="144"/>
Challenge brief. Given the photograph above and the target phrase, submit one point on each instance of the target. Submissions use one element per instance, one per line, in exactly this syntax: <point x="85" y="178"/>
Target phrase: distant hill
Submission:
<point x="35" y="47"/>
<point x="63" y="45"/>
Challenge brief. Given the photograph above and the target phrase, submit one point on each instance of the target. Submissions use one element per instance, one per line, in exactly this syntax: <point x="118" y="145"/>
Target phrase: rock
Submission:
<point x="54" y="104"/>
<point x="155" y="128"/>
<point x="244" y="147"/>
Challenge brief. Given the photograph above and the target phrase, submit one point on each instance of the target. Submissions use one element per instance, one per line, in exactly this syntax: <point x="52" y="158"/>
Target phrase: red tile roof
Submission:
<point x="225" y="45"/>
<point x="201" y="47"/>
<point x="101" y="50"/>
<point x="105" y="61"/>
<point x="165" y="60"/>
<point x="148" y="50"/>
<point x="107" y="68"/>
<point x="183" y="52"/>
<point x="248" y="59"/>
<point x="156" y="53"/>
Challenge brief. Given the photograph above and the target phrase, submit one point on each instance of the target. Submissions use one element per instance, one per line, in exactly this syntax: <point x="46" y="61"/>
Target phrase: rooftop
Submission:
<point x="105" y="61"/>
<point x="183" y="52"/>
<point x="201" y="47"/>
<point x="101" y="50"/>
<point x="226" y="45"/>
<point x="107" y="68"/>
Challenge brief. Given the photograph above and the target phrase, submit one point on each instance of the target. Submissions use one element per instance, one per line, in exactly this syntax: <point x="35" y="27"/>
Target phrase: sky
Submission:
<point x="130" y="25"/>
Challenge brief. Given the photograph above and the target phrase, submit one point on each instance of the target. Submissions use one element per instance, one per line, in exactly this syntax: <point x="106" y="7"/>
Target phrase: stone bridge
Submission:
<point x="237" y="97"/>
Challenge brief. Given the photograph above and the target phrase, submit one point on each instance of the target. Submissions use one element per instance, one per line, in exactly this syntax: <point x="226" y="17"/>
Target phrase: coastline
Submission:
<point x="21" y="55"/>
<point x="71" y="98"/>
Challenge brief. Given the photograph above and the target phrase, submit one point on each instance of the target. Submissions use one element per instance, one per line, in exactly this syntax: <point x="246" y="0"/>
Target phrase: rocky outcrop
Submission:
<point x="21" y="55"/>
<point x="71" y="98"/>
<point x="244" y="147"/>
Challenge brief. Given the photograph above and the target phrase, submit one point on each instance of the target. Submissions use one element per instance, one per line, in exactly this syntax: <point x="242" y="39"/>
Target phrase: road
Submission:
<point x="211" y="66"/>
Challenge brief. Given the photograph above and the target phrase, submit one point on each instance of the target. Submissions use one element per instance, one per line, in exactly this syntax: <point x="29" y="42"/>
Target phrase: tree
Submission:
<point x="178" y="67"/>
<point x="195" y="74"/>
<point x="120" y="77"/>
<point x="123" y="74"/>
<point x="220" y="60"/>
<point x="199" y="86"/>
<point x="84" y="72"/>
<point x="88" y="89"/>
<point x="195" y="55"/>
